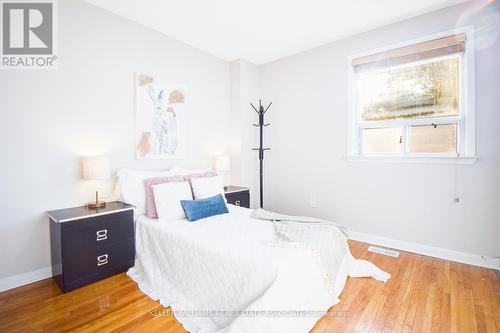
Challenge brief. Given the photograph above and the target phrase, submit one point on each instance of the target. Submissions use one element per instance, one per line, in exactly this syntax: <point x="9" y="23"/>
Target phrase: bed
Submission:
<point x="229" y="273"/>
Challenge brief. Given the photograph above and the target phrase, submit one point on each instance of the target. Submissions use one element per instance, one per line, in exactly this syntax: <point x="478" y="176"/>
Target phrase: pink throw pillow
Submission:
<point x="200" y="175"/>
<point x="148" y="187"/>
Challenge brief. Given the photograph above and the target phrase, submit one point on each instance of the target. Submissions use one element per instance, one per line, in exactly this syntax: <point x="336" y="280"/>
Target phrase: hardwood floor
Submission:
<point x="423" y="295"/>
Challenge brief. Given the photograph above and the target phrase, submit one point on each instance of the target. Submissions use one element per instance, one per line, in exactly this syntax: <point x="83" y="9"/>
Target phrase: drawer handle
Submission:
<point x="101" y="234"/>
<point x="237" y="202"/>
<point x="102" y="259"/>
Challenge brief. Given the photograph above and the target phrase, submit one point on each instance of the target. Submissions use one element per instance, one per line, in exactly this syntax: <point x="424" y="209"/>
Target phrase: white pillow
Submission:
<point x="168" y="198"/>
<point x="130" y="185"/>
<point x="206" y="187"/>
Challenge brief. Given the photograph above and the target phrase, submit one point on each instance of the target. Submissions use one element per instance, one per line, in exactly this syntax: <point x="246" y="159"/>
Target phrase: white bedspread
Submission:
<point x="224" y="263"/>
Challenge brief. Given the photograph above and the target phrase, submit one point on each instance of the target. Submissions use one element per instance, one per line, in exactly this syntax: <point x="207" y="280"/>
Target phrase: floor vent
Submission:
<point x="385" y="252"/>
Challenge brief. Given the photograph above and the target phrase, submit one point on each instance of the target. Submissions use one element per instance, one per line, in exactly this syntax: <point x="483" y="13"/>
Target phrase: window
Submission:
<point x="415" y="101"/>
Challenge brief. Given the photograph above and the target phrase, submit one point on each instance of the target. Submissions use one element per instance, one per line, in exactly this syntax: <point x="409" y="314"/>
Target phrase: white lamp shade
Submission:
<point x="95" y="168"/>
<point x="223" y="163"/>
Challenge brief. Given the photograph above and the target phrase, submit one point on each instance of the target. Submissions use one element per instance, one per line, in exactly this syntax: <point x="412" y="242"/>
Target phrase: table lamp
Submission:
<point x="95" y="168"/>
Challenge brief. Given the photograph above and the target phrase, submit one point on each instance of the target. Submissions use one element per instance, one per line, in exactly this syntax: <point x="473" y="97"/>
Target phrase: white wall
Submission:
<point x="245" y="89"/>
<point x="48" y="119"/>
<point x="408" y="202"/>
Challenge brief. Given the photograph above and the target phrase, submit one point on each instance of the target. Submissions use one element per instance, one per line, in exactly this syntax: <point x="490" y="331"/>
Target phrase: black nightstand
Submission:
<point x="88" y="245"/>
<point x="237" y="195"/>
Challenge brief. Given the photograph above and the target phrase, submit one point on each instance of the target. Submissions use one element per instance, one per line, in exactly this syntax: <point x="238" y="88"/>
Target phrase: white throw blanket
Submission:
<point x="225" y="263"/>
<point x="262" y="214"/>
<point x="324" y="238"/>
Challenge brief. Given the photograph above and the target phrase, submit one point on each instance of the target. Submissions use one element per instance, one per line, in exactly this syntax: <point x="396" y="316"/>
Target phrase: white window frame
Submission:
<point x="465" y="121"/>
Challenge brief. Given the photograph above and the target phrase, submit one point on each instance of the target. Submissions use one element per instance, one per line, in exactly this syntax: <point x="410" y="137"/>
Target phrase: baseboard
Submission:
<point x="431" y="251"/>
<point x="15" y="281"/>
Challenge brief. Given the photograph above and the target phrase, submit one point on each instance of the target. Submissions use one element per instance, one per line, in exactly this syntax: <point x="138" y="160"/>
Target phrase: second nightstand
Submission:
<point x="237" y="195"/>
<point x="88" y="245"/>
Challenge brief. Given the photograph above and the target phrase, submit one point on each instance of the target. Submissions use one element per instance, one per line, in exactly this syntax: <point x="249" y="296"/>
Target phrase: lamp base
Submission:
<point x="96" y="205"/>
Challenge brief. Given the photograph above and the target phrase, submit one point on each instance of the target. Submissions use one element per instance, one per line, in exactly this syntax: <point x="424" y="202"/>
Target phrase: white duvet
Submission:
<point x="220" y="274"/>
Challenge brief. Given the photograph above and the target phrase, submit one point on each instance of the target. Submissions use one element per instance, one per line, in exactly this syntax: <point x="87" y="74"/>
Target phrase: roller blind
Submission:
<point x="420" y="51"/>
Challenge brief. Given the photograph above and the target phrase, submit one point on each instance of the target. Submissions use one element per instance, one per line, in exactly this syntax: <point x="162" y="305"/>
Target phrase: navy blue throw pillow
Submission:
<point x="201" y="208"/>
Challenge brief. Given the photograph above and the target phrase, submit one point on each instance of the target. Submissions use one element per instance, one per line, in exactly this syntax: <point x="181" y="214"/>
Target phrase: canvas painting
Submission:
<point x="160" y="111"/>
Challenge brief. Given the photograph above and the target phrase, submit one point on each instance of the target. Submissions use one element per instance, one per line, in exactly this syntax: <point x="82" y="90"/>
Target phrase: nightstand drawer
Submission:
<point x="241" y="198"/>
<point x="95" y="232"/>
<point x="98" y="261"/>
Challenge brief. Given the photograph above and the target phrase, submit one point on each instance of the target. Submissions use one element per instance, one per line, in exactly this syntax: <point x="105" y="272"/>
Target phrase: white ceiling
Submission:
<point x="265" y="30"/>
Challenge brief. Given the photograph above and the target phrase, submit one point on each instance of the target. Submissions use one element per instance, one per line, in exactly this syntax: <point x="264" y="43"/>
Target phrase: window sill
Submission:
<point x="415" y="159"/>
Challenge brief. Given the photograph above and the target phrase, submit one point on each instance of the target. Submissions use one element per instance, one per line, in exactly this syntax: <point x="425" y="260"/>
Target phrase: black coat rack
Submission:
<point x="261" y="112"/>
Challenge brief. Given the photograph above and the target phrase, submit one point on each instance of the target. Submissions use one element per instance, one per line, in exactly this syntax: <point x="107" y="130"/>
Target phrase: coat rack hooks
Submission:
<point x="261" y="111"/>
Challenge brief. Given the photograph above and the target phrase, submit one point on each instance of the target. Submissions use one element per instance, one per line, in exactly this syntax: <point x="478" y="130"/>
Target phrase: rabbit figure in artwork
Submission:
<point x="160" y="127"/>
<point x="173" y="140"/>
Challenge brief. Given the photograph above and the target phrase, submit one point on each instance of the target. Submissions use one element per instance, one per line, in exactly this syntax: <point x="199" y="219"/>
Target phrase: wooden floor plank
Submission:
<point x="423" y="295"/>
